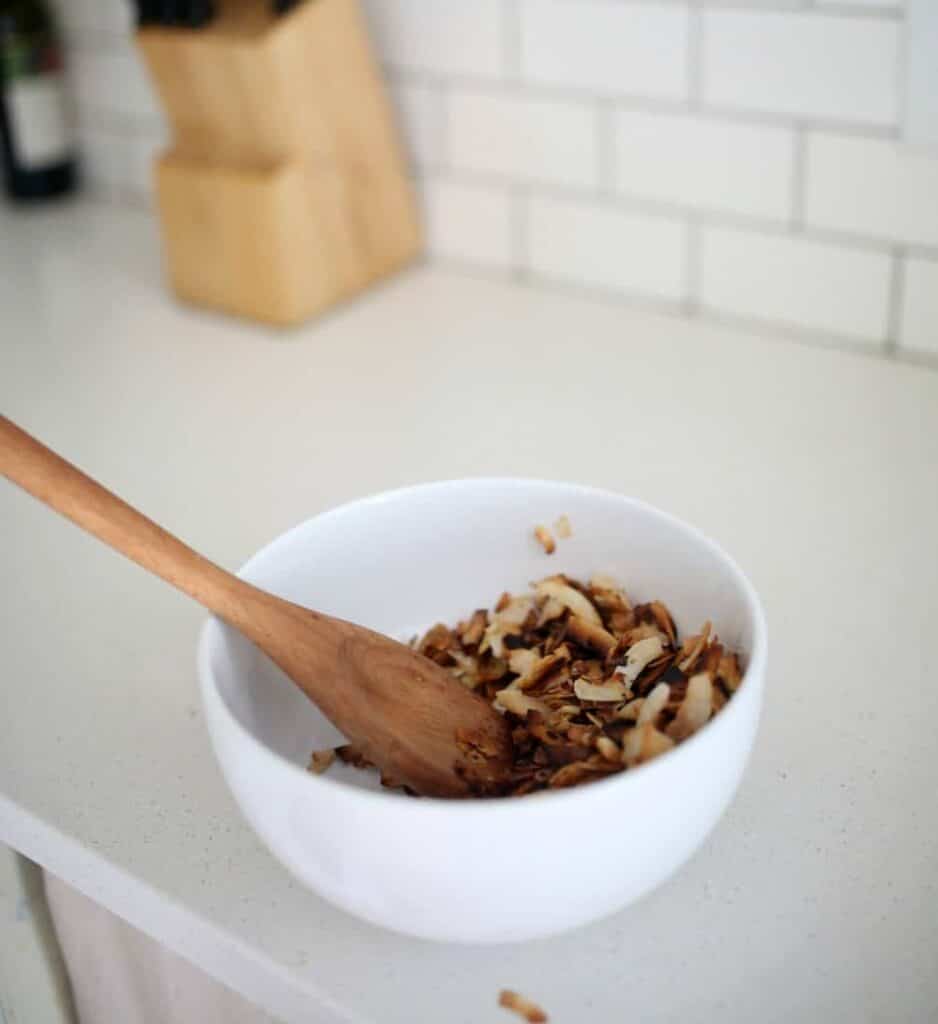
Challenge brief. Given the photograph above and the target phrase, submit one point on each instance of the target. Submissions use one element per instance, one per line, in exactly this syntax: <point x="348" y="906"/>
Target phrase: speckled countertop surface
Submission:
<point x="816" y="899"/>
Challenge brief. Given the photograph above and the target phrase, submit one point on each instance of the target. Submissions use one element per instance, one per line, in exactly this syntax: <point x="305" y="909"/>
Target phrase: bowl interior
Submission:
<point x="401" y="561"/>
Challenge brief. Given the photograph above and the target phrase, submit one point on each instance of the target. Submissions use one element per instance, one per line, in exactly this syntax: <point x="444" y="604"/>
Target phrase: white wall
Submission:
<point x="737" y="159"/>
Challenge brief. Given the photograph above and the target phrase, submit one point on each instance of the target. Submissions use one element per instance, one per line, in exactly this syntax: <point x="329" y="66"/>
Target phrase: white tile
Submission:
<point x="796" y="282"/>
<point x="442" y="36"/>
<point x="468" y="223"/>
<point x="531" y="139"/>
<point x="705" y="162"/>
<point x="624" y="48"/>
<point x="115" y="83"/>
<point x="920" y="78"/>
<point x="919" y="326"/>
<point x="604" y="247"/>
<point x="872" y="187"/>
<point x="420" y="118"/>
<point x="802" y="64"/>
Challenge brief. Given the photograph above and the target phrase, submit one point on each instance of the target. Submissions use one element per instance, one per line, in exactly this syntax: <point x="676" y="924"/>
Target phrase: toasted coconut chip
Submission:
<point x="664" y="621"/>
<point x="692" y="648"/>
<point x="516" y="610"/>
<point x="593" y="693"/>
<point x="655" y="703"/>
<point x="609" y="749"/>
<point x="320" y="760"/>
<point x="643" y="631"/>
<point x="494" y="638"/>
<point x="629" y="712"/>
<point x="519" y="703"/>
<point x="643" y="743"/>
<point x="640" y="655"/>
<point x="563" y="528"/>
<point x="548" y="660"/>
<point x="570" y="598"/>
<point x="531" y="1012"/>
<point x="696" y="708"/>
<point x="590" y="668"/>
<point x="728" y="672"/>
<point x="584" y="735"/>
<point x="590" y="635"/>
<point x="545" y="538"/>
<point x="551" y="609"/>
<point x="471" y="635"/>
<point x="603" y="581"/>
<point x="570" y="775"/>
<point x="437" y="638"/>
<point x="522" y="659"/>
<point x="541" y="669"/>
<point x="466" y="669"/>
<point x="620" y="623"/>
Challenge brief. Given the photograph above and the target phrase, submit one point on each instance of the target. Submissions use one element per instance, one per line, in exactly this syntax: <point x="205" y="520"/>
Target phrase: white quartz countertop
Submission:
<point x="816" y="899"/>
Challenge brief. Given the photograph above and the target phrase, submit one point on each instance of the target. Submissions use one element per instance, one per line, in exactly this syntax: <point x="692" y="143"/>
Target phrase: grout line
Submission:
<point x="695" y="71"/>
<point x="649" y="104"/>
<point x="794" y="332"/>
<point x="679" y="211"/>
<point x="799" y="179"/>
<point x="896" y="297"/>
<point x="634" y="299"/>
<point x="768" y="329"/>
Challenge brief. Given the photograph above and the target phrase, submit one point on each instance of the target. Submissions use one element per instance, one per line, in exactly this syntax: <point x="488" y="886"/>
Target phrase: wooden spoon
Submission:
<point x="405" y="713"/>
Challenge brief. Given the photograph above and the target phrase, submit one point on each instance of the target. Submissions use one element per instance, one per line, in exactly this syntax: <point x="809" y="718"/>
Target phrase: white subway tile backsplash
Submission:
<point x="802" y="64"/>
<point x="468" y="223"/>
<point x="526" y="119"/>
<point x="603" y="247"/>
<point x="796" y="281"/>
<point x="872" y="187"/>
<point x="527" y="138"/>
<point x="706" y="163"/>
<point x="446" y="37"/>
<point x="918" y="331"/>
<point x="420" y="119"/>
<point x="616" y="48"/>
<point x="114" y="83"/>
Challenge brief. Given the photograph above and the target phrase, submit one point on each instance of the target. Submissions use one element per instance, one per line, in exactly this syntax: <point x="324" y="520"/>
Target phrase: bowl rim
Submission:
<point x="532" y="802"/>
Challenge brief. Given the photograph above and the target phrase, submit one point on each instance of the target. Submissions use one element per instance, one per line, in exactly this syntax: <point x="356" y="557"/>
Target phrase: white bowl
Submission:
<point x="493" y="870"/>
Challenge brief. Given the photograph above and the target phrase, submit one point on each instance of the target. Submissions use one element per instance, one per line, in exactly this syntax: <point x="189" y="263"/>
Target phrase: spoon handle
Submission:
<point x="64" y="488"/>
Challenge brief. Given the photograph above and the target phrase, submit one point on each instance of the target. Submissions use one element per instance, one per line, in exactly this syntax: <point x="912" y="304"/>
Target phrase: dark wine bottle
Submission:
<point x="36" y="141"/>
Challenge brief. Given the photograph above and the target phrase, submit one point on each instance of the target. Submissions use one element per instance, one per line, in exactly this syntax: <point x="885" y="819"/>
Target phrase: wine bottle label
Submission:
<point x="38" y="118"/>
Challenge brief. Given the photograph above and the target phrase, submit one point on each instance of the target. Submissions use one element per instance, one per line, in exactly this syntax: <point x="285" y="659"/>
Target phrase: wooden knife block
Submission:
<point x="285" y="188"/>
